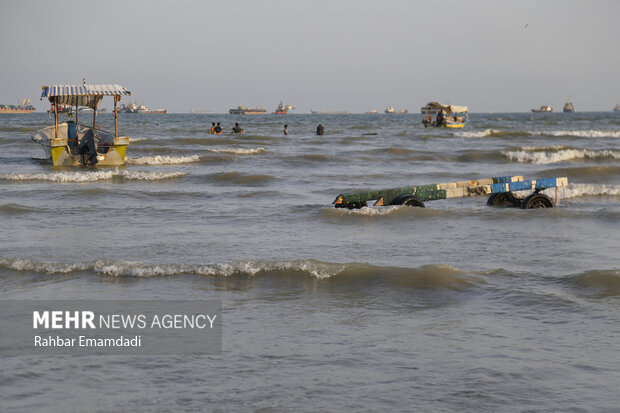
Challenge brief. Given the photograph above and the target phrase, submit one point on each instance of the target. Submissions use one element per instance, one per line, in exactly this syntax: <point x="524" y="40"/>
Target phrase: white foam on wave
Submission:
<point x="477" y="134"/>
<point x="163" y="160"/>
<point x="90" y="176"/>
<point x="580" y="133"/>
<point x="42" y="267"/>
<point x="579" y="190"/>
<point x="547" y="157"/>
<point x="367" y="211"/>
<point x="138" y="269"/>
<point x="134" y="140"/>
<point x="592" y="133"/>
<point x="239" y="151"/>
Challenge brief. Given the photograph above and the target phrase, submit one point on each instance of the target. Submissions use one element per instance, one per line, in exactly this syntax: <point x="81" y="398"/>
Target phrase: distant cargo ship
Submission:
<point x="23" y="107"/>
<point x="283" y="109"/>
<point x="568" y="107"/>
<point x="372" y="112"/>
<point x="391" y="110"/>
<point x="545" y="108"/>
<point x="327" y="112"/>
<point x="617" y="108"/>
<point x="242" y="110"/>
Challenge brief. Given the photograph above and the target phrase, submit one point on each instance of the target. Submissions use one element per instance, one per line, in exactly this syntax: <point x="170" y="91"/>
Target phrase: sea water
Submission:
<point x="456" y="306"/>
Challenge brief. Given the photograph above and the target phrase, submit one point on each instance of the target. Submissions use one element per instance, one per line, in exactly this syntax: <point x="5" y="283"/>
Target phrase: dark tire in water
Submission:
<point x="503" y="199"/>
<point x="408" y="200"/>
<point x="537" y="201"/>
<point x="356" y="205"/>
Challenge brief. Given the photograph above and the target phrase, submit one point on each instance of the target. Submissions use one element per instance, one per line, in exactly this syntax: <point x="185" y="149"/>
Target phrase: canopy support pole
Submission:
<point x="77" y="128"/>
<point x="55" y="119"/>
<point x="94" y="119"/>
<point x="116" y="98"/>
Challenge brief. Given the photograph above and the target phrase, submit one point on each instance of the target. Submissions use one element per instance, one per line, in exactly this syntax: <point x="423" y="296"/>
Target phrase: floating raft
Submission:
<point x="500" y="190"/>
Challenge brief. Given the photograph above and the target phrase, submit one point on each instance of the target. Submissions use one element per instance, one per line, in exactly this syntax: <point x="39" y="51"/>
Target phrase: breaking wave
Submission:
<point x="581" y="133"/>
<point x="83" y="176"/>
<point x="555" y="133"/>
<point x="547" y="155"/>
<point x="163" y="160"/>
<point x="428" y="276"/>
<point x="580" y="190"/>
<point x="386" y="211"/>
<point x="482" y="134"/>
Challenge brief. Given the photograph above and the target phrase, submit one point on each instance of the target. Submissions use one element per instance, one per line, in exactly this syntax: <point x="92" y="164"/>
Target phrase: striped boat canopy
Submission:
<point x="81" y="95"/>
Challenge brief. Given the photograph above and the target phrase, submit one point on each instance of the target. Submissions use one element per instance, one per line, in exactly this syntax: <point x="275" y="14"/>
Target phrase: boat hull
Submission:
<point x="61" y="152"/>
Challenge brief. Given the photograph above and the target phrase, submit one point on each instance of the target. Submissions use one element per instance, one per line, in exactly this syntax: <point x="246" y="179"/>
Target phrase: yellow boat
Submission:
<point x="446" y="116"/>
<point x="71" y="144"/>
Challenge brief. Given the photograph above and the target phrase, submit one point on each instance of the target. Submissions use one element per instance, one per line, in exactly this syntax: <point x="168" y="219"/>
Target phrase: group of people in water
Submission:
<point x="216" y="129"/>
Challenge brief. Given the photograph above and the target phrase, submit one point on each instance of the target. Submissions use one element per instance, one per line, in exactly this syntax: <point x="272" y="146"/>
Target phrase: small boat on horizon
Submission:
<point x="545" y="108"/>
<point x="372" y="112"/>
<point x="568" y="107"/>
<point x="617" y="108"/>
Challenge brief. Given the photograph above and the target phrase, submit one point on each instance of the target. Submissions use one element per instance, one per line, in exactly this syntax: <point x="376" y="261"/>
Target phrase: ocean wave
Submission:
<point x="134" y="140"/>
<point x="386" y="211"/>
<point x="239" y="151"/>
<point x="594" y="171"/>
<point x="163" y="160"/>
<point x="11" y="209"/>
<point x="481" y="134"/>
<point x="239" y="178"/>
<point x="494" y="133"/>
<point x="545" y="156"/>
<point x="581" y="190"/>
<point x="15" y="129"/>
<point x="91" y="176"/>
<point x="580" y="133"/>
<point x="426" y="277"/>
<point x="601" y="283"/>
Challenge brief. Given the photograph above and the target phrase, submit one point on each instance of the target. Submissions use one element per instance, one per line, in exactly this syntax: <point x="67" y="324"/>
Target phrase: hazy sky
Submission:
<point x="318" y="54"/>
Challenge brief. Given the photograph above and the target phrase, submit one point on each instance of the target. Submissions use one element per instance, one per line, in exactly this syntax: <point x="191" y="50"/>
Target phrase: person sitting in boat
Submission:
<point x="212" y="130"/>
<point x="218" y="129"/>
<point x="440" y="119"/>
<point x="237" y="128"/>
